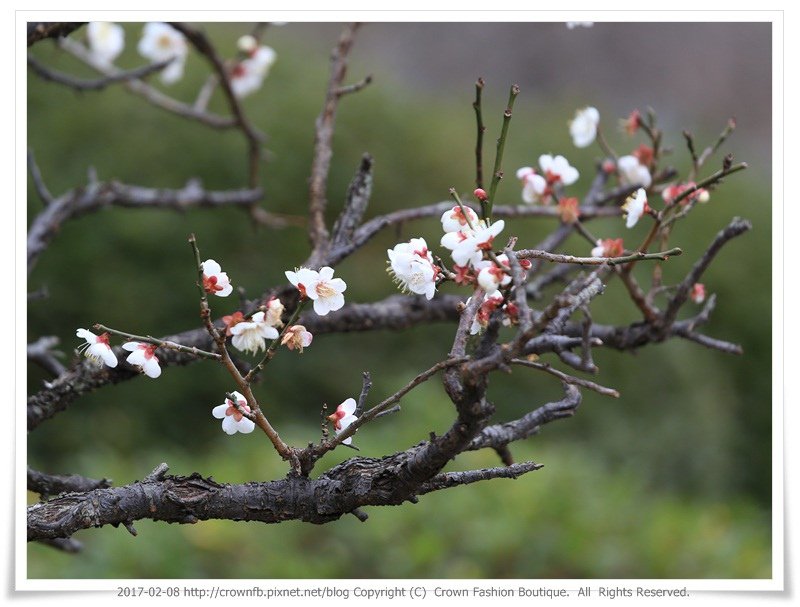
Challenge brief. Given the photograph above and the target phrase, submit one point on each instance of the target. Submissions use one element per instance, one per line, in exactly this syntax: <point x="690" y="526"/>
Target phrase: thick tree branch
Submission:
<point x="42" y="30"/>
<point x="96" y="196"/>
<point x="53" y="484"/>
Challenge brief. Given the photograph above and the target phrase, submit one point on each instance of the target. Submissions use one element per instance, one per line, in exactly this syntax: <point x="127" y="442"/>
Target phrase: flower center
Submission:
<point x="210" y="284"/>
<point x="164" y="42"/>
<point x="324" y="290"/>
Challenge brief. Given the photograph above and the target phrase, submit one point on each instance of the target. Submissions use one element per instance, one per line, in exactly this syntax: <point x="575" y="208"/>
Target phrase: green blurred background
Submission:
<point x="671" y="480"/>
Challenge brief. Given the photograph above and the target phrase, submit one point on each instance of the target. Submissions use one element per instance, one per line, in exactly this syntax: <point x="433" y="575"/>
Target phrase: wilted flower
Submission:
<point x="231" y="321"/>
<point x="96" y="347"/>
<point x="215" y="280"/>
<point x="106" y="41"/>
<point x="632" y="123"/>
<point x="142" y="355"/>
<point x="343" y="417"/>
<point x="568" y="210"/>
<point x="160" y="42"/>
<point x="274" y="312"/>
<point x="583" y="128"/>
<point x="610" y="247"/>
<point x="634" y="207"/>
<point x="233" y="420"/>
<point x="491" y="301"/>
<point x="296" y="338"/>
<point x="251" y="335"/>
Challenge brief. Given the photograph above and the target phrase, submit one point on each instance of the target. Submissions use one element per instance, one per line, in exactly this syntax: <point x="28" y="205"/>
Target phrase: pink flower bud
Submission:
<point x="480" y="194"/>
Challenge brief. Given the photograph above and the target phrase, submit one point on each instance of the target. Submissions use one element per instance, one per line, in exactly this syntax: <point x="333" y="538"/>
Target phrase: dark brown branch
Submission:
<point x="53" y="484"/>
<point x="323" y="150"/>
<point x="447" y="480"/>
<point x="149" y="93"/>
<point x="98" y="195"/>
<point x="203" y="45"/>
<point x="567" y="379"/>
<point x="736" y="227"/>
<point x="355" y="205"/>
<point x="98" y="84"/>
<point x="42" y="30"/>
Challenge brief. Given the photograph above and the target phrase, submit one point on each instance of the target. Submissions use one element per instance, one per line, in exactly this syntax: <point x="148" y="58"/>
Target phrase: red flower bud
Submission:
<point x="480" y="194"/>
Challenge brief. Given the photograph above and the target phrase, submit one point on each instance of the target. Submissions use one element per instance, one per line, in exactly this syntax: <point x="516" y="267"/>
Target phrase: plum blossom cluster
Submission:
<point x="470" y="241"/>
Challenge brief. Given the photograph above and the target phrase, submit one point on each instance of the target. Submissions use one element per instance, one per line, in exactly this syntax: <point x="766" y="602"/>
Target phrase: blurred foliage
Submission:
<point x="671" y="480"/>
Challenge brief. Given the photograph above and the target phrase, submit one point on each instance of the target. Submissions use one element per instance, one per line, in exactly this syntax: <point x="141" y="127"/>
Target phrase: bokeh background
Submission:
<point x="672" y="480"/>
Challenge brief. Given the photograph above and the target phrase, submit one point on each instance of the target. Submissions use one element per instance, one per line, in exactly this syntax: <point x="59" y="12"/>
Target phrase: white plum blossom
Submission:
<point x="583" y="128"/>
<point x="411" y="264"/>
<point x="251" y="335"/>
<point x="142" y="355"/>
<point x="215" y="280"/>
<point x="160" y="42"/>
<point x="455" y="220"/>
<point x="296" y="338"/>
<point x="632" y="172"/>
<point x="106" y="41"/>
<point x="248" y="75"/>
<point x="634" y="207"/>
<point x="558" y="169"/>
<point x="343" y="417"/>
<point x="96" y="347"/>
<point x="534" y="186"/>
<point x="233" y="420"/>
<point x="467" y="247"/>
<point x="490" y="276"/>
<point x="320" y="287"/>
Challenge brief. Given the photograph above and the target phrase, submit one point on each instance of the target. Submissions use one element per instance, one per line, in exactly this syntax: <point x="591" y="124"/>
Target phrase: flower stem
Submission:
<point x="479" y="139"/>
<point x="497" y="173"/>
<point x="460" y="204"/>
<point x="170" y="345"/>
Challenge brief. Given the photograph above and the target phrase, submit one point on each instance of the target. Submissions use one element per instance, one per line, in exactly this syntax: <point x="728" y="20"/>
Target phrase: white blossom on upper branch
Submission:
<point x="583" y="128"/>
<point x="160" y="42"/>
<point x="106" y="41"/>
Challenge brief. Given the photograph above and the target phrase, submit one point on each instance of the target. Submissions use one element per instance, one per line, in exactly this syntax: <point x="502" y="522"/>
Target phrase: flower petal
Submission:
<point x="219" y="410"/>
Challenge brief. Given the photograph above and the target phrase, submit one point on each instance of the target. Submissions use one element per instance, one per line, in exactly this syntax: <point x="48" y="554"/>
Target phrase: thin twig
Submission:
<point x="323" y="151"/>
<point x="596" y="261"/>
<point x="476" y="105"/>
<point x="569" y="379"/>
<point x="160" y="343"/>
<point x="98" y="84"/>
<point x="497" y="172"/>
